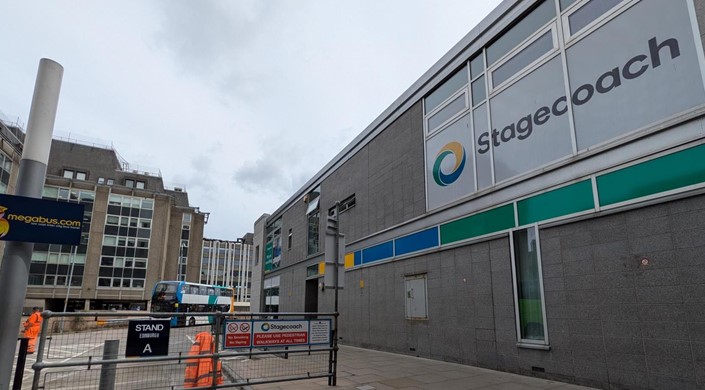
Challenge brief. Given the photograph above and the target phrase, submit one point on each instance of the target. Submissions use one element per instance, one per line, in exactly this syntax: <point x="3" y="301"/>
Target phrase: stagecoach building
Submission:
<point x="534" y="203"/>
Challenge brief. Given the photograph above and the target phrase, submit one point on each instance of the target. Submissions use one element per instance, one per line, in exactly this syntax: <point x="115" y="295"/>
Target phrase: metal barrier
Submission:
<point x="90" y="350"/>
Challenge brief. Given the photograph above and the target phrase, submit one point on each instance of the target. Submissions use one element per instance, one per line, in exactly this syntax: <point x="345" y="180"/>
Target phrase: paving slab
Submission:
<point x="365" y="369"/>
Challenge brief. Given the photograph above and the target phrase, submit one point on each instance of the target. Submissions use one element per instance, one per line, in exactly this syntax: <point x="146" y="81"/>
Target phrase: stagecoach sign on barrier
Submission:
<point x="148" y="338"/>
<point x="276" y="333"/>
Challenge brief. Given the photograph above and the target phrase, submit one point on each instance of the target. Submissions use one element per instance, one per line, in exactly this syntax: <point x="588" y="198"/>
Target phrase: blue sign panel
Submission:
<point x="37" y="220"/>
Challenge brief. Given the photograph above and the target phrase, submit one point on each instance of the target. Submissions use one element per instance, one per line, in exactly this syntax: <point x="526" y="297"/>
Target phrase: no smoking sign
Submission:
<point x="237" y="334"/>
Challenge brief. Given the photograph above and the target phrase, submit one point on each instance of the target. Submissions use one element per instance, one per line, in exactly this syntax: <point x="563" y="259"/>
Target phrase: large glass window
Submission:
<point x="271" y="294"/>
<point x="273" y="248"/>
<point x="448" y="111"/>
<point x="589" y="12"/>
<point x="528" y="287"/>
<point x="62" y="265"/>
<point x="524" y="58"/>
<point x="447" y="100"/>
<point x="313" y="232"/>
<point x="520" y="31"/>
<point x="5" y="168"/>
<point x="125" y="242"/>
<point x="446" y="90"/>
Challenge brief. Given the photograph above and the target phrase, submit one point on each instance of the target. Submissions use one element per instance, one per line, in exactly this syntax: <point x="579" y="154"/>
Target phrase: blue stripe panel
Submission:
<point x="358" y="257"/>
<point x="418" y="241"/>
<point x="378" y="252"/>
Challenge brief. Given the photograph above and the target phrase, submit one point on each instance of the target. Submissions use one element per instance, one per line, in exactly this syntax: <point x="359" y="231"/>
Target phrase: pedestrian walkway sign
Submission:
<point x="276" y="333"/>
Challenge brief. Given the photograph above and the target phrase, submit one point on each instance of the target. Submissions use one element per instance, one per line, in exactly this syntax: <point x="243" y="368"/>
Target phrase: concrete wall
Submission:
<point x="611" y="319"/>
<point x="256" y="304"/>
<point x="386" y="176"/>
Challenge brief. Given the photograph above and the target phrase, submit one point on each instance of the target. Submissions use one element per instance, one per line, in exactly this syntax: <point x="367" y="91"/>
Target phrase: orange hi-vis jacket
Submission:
<point x="31" y="329"/>
<point x="199" y="372"/>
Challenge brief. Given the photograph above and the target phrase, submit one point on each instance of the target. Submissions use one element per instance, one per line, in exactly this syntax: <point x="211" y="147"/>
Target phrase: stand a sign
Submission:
<point x="148" y="338"/>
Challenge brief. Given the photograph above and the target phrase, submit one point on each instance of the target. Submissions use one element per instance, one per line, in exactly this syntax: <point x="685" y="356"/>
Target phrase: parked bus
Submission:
<point x="185" y="297"/>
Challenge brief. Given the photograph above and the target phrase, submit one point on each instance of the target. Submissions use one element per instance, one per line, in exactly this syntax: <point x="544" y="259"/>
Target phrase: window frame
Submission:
<point x="569" y="37"/>
<point x="489" y="82"/>
<point x="521" y="342"/>
<point x="464" y="90"/>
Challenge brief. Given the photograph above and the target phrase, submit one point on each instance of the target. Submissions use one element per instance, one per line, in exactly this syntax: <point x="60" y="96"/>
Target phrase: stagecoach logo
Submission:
<point x="452" y="148"/>
<point x="4" y="225"/>
<point x="265" y="327"/>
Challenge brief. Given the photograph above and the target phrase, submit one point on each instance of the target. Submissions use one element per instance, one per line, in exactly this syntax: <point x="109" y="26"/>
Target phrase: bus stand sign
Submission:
<point x="147" y="338"/>
<point x="276" y="333"/>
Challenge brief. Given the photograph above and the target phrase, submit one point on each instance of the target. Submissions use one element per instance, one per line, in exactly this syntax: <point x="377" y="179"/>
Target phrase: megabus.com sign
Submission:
<point x="37" y="220"/>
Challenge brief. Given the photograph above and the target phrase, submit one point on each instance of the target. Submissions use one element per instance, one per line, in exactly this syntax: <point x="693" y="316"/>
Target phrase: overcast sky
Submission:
<point x="239" y="102"/>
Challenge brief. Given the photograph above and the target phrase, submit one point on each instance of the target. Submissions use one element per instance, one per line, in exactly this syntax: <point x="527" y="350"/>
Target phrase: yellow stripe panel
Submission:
<point x="349" y="260"/>
<point x="322" y="268"/>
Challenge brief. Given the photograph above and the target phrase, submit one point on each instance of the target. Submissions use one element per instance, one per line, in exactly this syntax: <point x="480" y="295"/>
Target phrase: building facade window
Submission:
<point x="447" y="100"/>
<point x="5" y="169"/>
<point x="273" y="248"/>
<point x="314" y="232"/>
<point x="68" y="174"/>
<point x="416" y="302"/>
<point x="271" y="294"/>
<point x="63" y="265"/>
<point x="81" y="175"/>
<point x="313" y="221"/>
<point x="125" y="249"/>
<point x="183" y="251"/>
<point x="139" y="184"/>
<point x="346" y="204"/>
<point x="529" y="300"/>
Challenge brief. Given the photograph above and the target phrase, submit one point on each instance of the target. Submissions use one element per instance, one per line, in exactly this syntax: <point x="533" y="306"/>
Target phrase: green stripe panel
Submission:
<point x="490" y="221"/>
<point x="665" y="173"/>
<point x="562" y="201"/>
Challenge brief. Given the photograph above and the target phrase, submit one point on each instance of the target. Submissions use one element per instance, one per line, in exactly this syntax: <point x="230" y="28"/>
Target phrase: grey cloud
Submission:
<point x="262" y="176"/>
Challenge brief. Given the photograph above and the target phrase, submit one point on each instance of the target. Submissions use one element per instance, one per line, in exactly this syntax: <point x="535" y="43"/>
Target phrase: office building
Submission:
<point x="135" y="231"/>
<point x="228" y="263"/>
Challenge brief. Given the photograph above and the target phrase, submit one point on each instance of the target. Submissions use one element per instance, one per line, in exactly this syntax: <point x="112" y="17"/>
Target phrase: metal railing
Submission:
<point x="91" y="351"/>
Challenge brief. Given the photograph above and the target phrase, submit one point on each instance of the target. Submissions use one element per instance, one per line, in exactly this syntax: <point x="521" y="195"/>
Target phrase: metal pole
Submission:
<point x="107" y="371"/>
<point x="21" y="358"/>
<point x="218" y="323"/>
<point x="14" y="272"/>
<point x="68" y="287"/>
<point x="40" y="351"/>
<point x="335" y="306"/>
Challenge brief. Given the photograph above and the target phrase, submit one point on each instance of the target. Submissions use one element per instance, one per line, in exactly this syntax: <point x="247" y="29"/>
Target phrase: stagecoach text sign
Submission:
<point x="276" y="333"/>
